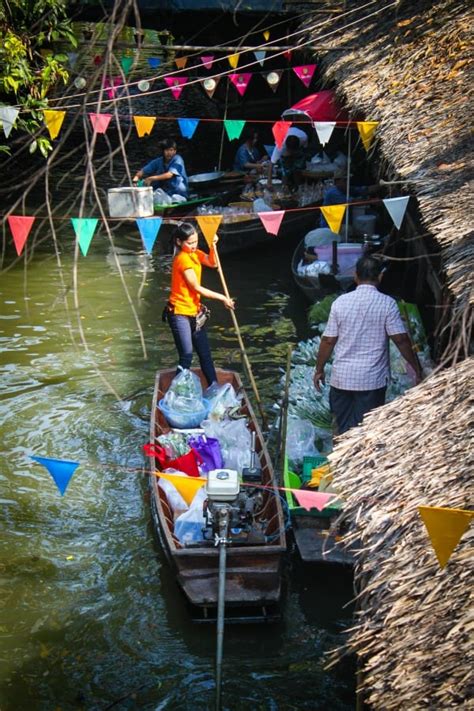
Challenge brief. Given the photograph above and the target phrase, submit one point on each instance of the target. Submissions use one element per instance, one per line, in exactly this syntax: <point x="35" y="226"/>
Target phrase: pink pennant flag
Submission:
<point x="312" y="499"/>
<point x="305" y="73"/>
<point x="20" y="228"/>
<point x="100" y="122"/>
<point x="272" y="220"/>
<point x="279" y="130"/>
<point x="110" y="84"/>
<point x="176" y="84"/>
<point x="207" y="60"/>
<point x="241" y="81"/>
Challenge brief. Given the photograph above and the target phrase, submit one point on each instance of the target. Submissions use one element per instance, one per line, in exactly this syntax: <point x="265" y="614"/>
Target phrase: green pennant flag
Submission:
<point x="233" y="128"/>
<point x="84" y="227"/>
<point x="126" y="64"/>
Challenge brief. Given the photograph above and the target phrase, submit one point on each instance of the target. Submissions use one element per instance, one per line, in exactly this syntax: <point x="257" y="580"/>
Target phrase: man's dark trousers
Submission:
<point x="350" y="406"/>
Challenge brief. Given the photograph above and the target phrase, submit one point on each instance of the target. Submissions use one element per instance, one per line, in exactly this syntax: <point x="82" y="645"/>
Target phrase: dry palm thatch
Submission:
<point x="409" y="66"/>
<point x="413" y="630"/>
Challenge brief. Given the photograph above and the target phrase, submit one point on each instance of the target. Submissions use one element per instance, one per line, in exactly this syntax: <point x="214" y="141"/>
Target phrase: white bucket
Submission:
<point x="130" y="202"/>
<point x="357" y="211"/>
<point x="364" y="225"/>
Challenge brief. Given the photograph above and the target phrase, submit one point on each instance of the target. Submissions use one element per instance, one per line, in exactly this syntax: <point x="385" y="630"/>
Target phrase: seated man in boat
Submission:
<point x="288" y="153"/>
<point x="337" y="195"/>
<point x="248" y="158"/>
<point x="167" y="172"/>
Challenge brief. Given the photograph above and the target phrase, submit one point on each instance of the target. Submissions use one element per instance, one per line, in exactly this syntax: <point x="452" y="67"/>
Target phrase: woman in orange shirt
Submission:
<point x="184" y="302"/>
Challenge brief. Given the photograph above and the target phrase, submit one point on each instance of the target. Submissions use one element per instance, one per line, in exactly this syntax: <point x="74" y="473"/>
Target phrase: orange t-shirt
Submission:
<point x="185" y="299"/>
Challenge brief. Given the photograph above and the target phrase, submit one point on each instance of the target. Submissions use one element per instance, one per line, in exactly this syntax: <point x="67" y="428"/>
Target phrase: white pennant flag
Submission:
<point x="260" y="56"/>
<point x="8" y="117"/>
<point x="324" y="130"/>
<point x="396" y="208"/>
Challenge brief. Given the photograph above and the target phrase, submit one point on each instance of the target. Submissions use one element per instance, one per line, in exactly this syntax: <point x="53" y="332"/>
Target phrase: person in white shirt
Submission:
<point x="283" y="152"/>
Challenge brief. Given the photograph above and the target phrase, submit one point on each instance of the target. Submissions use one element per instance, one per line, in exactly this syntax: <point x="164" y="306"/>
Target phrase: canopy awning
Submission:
<point x="317" y="107"/>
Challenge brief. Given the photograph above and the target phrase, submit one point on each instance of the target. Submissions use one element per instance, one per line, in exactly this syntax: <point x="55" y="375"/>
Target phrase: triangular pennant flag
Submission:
<point x="176" y="84"/>
<point x="305" y="73"/>
<point x="312" y="499"/>
<point x="367" y="131"/>
<point x="72" y="59"/>
<point x="324" y="130"/>
<point x="234" y="128"/>
<point x="98" y="60"/>
<point x="144" y="124"/>
<point x="287" y="54"/>
<point x="334" y="215"/>
<point x="273" y="79"/>
<point x="241" y="81"/>
<point x="100" y="122"/>
<point x="396" y="208"/>
<point x="269" y="150"/>
<point x="60" y="469"/>
<point x="207" y="60"/>
<point x="53" y="120"/>
<point x="187" y="126"/>
<point x="210" y="85"/>
<point x="209" y="225"/>
<point x="154" y="62"/>
<point x="126" y="64"/>
<point x="110" y="84"/>
<point x="181" y="62"/>
<point x="20" y="227"/>
<point x="260" y="56"/>
<point x="8" y="116"/>
<point x="272" y="220"/>
<point x="266" y="35"/>
<point x="233" y="60"/>
<point x="149" y="228"/>
<point x="84" y="227"/>
<point x="186" y="485"/>
<point x="279" y="130"/>
<point x="445" y="528"/>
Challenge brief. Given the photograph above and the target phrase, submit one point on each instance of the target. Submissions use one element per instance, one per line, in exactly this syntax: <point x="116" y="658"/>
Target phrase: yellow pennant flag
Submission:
<point x="209" y="225"/>
<point x="54" y="121"/>
<point x="186" y="485"/>
<point x="233" y="60"/>
<point x="367" y="131"/>
<point x="266" y="35"/>
<point x="144" y="124"/>
<point x="334" y="215"/>
<point x="445" y="528"/>
<point x="181" y="62"/>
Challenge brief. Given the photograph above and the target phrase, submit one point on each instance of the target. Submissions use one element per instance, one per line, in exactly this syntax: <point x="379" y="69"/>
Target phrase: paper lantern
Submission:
<point x="143" y="85"/>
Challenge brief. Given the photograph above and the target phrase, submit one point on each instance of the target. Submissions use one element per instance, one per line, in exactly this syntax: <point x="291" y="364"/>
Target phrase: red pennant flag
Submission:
<point x="20" y="228"/>
<point x="305" y="73"/>
<point x="279" y="130"/>
<point x="176" y="84"/>
<point x="241" y="81"/>
<point x="272" y="220"/>
<point x="100" y="122"/>
<point x="287" y="54"/>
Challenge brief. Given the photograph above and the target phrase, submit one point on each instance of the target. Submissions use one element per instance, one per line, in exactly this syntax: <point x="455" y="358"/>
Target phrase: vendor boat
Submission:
<point x="254" y="560"/>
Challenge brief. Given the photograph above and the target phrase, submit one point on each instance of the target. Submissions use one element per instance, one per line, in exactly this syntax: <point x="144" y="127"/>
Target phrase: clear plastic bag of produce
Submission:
<point x="299" y="439"/>
<point x="177" y="504"/>
<point x="221" y="399"/>
<point x="188" y="526"/>
<point x="185" y="393"/>
<point x="175" y="444"/>
<point x="234" y="439"/>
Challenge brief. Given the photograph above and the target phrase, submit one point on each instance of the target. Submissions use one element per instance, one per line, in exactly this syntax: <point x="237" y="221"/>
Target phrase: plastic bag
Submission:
<point x="187" y="463"/>
<point x="160" y="197"/>
<point x="184" y="393"/>
<point x="209" y="450"/>
<point x="299" y="439"/>
<point x="234" y="439"/>
<point x="221" y="398"/>
<point x="188" y="526"/>
<point x="177" y="504"/>
<point x="175" y="443"/>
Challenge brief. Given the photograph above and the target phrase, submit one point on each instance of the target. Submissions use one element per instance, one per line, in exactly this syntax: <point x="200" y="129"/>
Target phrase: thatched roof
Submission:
<point x="413" y="630"/>
<point x="409" y="66"/>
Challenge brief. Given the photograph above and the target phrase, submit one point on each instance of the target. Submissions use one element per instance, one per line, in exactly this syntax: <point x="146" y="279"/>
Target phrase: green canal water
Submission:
<point x="90" y="615"/>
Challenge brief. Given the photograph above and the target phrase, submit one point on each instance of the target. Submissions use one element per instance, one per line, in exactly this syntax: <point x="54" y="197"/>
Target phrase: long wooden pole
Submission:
<point x="241" y="343"/>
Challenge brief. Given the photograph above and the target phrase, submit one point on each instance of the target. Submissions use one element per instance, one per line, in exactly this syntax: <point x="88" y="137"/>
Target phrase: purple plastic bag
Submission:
<point x="209" y="450"/>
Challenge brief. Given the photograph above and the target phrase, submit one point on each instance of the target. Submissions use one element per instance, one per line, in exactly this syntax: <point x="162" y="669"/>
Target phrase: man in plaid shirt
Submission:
<point x="359" y="328"/>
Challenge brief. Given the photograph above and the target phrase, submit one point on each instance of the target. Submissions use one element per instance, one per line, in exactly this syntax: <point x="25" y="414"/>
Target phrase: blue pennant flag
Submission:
<point x="60" y="469"/>
<point x="187" y="126"/>
<point x="149" y="228"/>
<point x="154" y="62"/>
<point x="269" y="150"/>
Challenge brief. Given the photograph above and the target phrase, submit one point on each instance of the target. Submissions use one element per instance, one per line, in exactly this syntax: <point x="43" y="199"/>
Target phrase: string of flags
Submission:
<point x="149" y="227"/>
<point x="445" y="526"/>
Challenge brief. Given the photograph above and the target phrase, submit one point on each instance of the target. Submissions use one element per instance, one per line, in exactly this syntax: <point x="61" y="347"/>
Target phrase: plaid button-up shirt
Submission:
<point x="362" y="321"/>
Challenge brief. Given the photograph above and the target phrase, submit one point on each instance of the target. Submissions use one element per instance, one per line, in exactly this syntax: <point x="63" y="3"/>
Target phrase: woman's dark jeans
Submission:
<point x="185" y="337"/>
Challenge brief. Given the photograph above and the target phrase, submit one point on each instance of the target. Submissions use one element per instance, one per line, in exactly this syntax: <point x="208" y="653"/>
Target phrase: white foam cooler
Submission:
<point x="130" y="202"/>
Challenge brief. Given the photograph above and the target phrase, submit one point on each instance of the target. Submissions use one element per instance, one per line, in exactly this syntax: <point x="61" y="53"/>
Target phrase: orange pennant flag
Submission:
<point x="209" y="225"/>
<point x="144" y="124"/>
<point x="445" y="528"/>
<point x="233" y="60"/>
<point x="181" y="62"/>
<point x="20" y="228"/>
<point x="367" y="130"/>
<point x="54" y="121"/>
<point x="334" y="215"/>
<point x="186" y="485"/>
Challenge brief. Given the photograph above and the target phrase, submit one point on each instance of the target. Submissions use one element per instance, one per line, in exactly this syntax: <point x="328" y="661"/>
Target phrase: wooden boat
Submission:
<point x="253" y="576"/>
<point x="316" y="287"/>
<point x="311" y="529"/>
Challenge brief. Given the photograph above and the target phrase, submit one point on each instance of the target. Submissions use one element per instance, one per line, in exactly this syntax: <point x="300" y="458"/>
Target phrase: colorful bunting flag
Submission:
<point x="144" y="124"/>
<point x="176" y="84"/>
<point x="272" y="220"/>
<point x="20" y="227"/>
<point x="98" y="60"/>
<point x="312" y="499"/>
<point x="324" y="130"/>
<point x="207" y="60"/>
<point x="181" y="62"/>
<point x="396" y="208"/>
<point x="186" y="485"/>
<point x="445" y="527"/>
<point x="60" y="469"/>
<point x="110" y="84"/>
<point x="210" y="86"/>
<point x="126" y="63"/>
<point x="100" y="122"/>
<point x="266" y="35"/>
<point x="187" y="126"/>
<point x="72" y="59"/>
<point x="305" y="73"/>
<point x="84" y="227"/>
<point x="8" y="116"/>
<point x="233" y="128"/>
<point x="260" y="56"/>
<point x="334" y="215"/>
<point x="273" y="79"/>
<point x="154" y="62"/>
<point x="287" y="54"/>
<point x="209" y="225"/>
<point x="233" y="60"/>
<point x="279" y="130"/>
<point x="149" y="228"/>
<point x="241" y="81"/>
<point x="367" y="130"/>
<point x="269" y="150"/>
